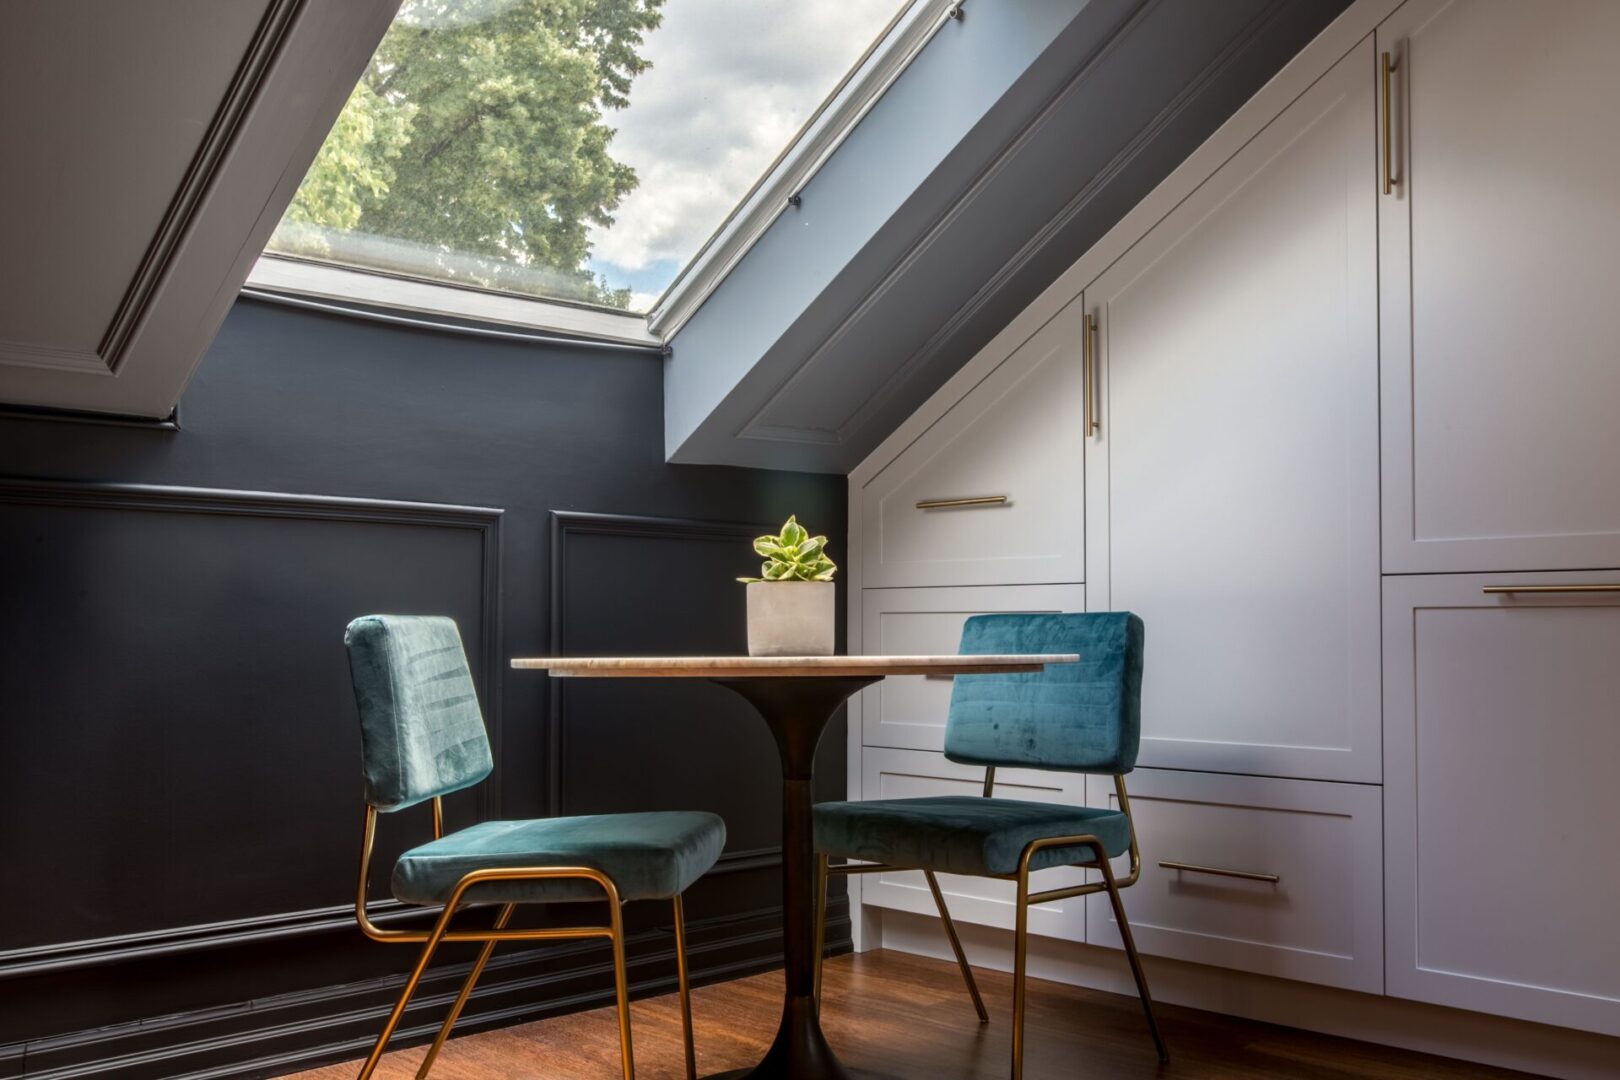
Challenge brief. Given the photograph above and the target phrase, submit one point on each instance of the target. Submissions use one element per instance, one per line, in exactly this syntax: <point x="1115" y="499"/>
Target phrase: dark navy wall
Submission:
<point x="180" y="811"/>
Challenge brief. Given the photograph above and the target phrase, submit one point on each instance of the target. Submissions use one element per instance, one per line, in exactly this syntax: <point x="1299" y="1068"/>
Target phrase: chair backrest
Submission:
<point x="1084" y="717"/>
<point x="421" y="732"/>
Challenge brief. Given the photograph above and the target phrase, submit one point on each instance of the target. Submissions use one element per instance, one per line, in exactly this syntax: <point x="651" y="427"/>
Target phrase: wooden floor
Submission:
<point x="907" y="1016"/>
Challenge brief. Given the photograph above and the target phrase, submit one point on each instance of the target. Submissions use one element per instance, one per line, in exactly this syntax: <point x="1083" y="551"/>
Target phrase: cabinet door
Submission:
<point x="907" y="774"/>
<point x="909" y="710"/>
<point x="1500" y="800"/>
<point x="1309" y="903"/>
<point x="1233" y="486"/>
<point x="1500" y="251"/>
<point x="1016" y="437"/>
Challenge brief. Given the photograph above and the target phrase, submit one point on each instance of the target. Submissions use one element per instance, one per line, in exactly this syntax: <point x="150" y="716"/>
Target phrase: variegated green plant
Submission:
<point x="793" y="555"/>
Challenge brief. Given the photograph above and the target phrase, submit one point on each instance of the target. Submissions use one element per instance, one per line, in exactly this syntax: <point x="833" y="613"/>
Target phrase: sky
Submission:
<point x="731" y="82"/>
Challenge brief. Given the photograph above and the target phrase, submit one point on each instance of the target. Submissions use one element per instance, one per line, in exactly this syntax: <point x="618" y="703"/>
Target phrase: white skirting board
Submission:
<point x="1489" y="1040"/>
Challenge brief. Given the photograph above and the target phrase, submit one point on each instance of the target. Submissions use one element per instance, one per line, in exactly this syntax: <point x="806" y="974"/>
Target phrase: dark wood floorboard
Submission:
<point x="908" y="1016"/>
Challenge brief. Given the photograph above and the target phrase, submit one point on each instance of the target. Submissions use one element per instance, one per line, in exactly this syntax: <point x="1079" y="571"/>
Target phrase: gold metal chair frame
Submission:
<point x="441" y="932"/>
<point x="1026" y="899"/>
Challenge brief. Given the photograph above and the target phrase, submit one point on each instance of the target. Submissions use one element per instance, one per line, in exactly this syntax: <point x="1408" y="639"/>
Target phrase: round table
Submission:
<point x="796" y="696"/>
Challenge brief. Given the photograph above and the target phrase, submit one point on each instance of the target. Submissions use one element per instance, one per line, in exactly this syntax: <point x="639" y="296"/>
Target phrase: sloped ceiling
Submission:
<point x="1015" y="140"/>
<point x="150" y="150"/>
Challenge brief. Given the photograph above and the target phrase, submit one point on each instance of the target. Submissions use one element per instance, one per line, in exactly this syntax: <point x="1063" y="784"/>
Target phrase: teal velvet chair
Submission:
<point x="1083" y="718"/>
<point x="422" y="737"/>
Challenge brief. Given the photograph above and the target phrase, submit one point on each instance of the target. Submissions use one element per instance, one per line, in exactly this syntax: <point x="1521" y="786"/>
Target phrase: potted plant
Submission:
<point x="791" y="608"/>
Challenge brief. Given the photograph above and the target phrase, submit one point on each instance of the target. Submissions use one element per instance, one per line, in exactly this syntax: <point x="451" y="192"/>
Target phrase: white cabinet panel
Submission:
<point x="909" y="710"/>
<point x="1500" y="250"/>
<point x="1016" y="434"/>
<point x="1319" y="921"/>
<point x="1502" y="741"/>
<point x="905" y="774"/>
<point x="1233" y="489"/>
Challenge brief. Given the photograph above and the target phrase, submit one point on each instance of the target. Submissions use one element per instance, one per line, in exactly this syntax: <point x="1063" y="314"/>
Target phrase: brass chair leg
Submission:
<point x="1136" y="961"/>
<point x="1020" y="957"/>
<point x="685" y="989"/>
<point x="621" y="986"/>
<point x="956" y="947"/>
<point x="821" y="921"/>
<point x="411" y="984"/>
<point x="461" y="998"/>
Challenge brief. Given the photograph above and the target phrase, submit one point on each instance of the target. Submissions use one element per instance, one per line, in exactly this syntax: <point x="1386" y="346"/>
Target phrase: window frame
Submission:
<point x="885" y="60"/>
<point x="311" y="278"/>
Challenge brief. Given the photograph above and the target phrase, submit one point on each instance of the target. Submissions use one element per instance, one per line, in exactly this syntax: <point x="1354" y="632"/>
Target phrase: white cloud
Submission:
<point x="731" y="82"/>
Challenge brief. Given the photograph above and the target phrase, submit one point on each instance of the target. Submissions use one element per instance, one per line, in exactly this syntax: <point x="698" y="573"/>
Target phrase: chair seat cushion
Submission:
<point x="963" y="834"/>
<point x="648" y="856"/>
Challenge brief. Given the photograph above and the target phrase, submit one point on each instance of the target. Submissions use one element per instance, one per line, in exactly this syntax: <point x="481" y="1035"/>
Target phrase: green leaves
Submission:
<point x="793" y="555"/>
<point x="479" y="136"/>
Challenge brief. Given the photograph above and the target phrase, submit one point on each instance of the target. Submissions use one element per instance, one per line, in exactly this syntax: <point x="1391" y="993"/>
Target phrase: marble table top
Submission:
<point x="737" y="667"/>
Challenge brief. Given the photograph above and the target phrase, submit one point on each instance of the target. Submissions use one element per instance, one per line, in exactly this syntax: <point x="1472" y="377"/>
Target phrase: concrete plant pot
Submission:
<point x="791" y="618"/>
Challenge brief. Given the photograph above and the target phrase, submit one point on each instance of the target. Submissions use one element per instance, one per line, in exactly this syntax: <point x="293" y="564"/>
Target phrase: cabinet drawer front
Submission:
<point x="1319" y="921"/>
<point x="1015" y="437"/>
<point x="1502" y="737"/>
<point x="905" y="774"/>
<point x="908" y="711"/>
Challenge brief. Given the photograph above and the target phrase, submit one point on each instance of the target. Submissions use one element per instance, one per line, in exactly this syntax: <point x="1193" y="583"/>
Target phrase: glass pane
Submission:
<point x="579" y="150"/>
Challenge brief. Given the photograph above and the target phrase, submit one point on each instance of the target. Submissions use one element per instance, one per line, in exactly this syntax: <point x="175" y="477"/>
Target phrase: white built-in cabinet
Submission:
<point x="1502" y="808"/>
<point x="1300" y="411"/>
<point x="1233" y="481"/>
<point x="1500" y="261"/>
<point x="1499" y="258"/>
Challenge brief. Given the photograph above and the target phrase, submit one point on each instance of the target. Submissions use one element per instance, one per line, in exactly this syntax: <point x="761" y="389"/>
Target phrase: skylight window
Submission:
<point x="575" y="150"/>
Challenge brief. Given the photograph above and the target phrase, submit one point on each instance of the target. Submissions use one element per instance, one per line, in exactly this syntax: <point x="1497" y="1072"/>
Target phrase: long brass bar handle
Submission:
<point x="1219" y="871"/>
<point x="1090" y="356"/>
<point x="977" y="500"/>
<point x="1387" y="64"/>
<point x="1500" y="589"/>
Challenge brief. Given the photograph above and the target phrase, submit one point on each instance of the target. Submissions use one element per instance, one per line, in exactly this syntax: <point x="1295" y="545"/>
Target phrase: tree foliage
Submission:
<point x="479" y="129"/>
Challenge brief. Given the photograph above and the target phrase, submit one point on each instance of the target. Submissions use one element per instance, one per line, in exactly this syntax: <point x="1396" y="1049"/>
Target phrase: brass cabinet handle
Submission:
<point x="1090" y="359"/>
<point x="1387" y="64"/>
<point x="1499" y="589"/>
<point x="976" y="500"/>
<point x="1219" y="871"/>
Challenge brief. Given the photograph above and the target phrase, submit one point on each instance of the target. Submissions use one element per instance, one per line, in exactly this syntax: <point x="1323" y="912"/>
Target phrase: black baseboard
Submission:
<point x="290" y="1032"/>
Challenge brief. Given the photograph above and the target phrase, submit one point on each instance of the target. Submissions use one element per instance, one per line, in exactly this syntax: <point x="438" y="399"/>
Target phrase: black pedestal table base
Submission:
<point x="797" y="710"/>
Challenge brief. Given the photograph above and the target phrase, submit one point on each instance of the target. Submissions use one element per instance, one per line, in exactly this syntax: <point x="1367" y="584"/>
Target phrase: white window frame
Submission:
<point x="326" y="281"/>
<point x="884" y="61"/>
<point x="912" y="28"/>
